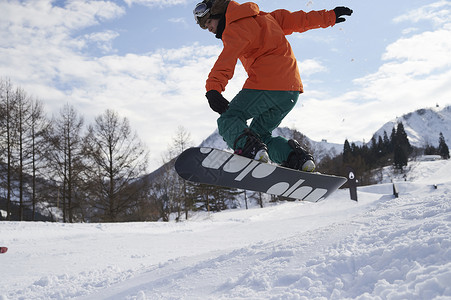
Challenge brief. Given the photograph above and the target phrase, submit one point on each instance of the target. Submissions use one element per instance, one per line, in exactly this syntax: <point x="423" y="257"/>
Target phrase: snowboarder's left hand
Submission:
<point x="217" y="102"/>
<point x="341" y="11"/>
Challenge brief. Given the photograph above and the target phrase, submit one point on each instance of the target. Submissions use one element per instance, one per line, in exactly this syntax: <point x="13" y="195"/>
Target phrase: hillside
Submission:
<point x="423" y="126"/>
<point x="380" y="247"/>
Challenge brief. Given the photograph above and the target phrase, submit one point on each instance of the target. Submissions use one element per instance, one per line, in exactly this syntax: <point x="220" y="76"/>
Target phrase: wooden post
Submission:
<point x="352" y="182"/>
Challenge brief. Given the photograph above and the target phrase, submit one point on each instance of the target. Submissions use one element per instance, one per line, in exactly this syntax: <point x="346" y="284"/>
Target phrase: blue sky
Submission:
<point x="148" y="60"/>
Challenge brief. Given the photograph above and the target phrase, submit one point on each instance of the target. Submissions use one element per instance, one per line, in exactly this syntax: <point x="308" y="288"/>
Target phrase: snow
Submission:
<point x="378" y="248"/>
<point x="423" y="126"/>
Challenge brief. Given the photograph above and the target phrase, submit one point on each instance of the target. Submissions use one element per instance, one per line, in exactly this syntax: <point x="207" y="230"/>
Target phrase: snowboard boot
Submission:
<point x="299" y="158"/>
<point x="254" y="148"/>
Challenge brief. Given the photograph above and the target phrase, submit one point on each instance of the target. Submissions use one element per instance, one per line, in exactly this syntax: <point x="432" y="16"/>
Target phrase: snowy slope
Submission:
<point x="379" y="248"/>
<point x="423" y="126"/>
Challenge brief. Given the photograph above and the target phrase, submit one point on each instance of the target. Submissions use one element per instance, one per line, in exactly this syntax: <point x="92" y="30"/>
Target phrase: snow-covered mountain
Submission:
<point x="422" y="126"/>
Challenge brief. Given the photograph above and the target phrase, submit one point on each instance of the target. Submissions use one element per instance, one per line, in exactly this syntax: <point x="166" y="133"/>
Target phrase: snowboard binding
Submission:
<point x="254" y="148"/>
<point x="299" y="158"/>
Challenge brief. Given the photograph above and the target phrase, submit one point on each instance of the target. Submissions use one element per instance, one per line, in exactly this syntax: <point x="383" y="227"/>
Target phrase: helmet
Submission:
<point x="209" y="9"/>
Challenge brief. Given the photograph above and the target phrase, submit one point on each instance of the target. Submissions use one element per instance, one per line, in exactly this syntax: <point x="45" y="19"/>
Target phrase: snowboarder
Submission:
<point x="273" y="85"/>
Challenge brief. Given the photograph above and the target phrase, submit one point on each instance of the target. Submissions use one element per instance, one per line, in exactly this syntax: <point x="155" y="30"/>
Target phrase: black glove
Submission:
<point x="217" y="102"/>
<point x="341" y="11"/>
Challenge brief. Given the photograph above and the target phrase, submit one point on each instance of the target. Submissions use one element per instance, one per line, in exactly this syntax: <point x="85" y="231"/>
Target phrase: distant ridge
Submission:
<point x="422" y="126"/>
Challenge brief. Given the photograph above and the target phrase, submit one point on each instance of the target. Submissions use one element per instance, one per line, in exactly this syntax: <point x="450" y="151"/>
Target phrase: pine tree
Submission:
<point x="386" y="143"/>
<point x="380" y="147"/>
<point x="400" y="157"/>
<point x="373" y="151"/>
<point x="402" y="147"/>
<point x="430" y="150"/>
<point x="391" y="145"/>
<point x="402" y="139"/>
<point x="443" y="147"/>
<point x="347" y="152"/>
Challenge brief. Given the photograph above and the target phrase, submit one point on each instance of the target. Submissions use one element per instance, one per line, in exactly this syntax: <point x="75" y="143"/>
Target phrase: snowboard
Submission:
<point x="3" y="249"/>
<point x="217" y="167"/>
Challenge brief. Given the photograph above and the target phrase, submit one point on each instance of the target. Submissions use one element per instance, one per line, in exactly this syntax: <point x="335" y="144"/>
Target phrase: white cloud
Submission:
<point x="38" y="36"/>
<point x="37" y="16"/>
<point x="152" y="3"/>
<point x="415" y="73"/>
<point x="177" y="20"/>
<point x="409" y="30"/>
<point x="102" y="40"/>
<point x="311" y="66"/>
<point x="438" y="12"/>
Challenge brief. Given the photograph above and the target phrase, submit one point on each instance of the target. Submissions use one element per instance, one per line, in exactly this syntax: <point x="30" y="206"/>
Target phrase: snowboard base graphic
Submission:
<point x="221" y="168"/>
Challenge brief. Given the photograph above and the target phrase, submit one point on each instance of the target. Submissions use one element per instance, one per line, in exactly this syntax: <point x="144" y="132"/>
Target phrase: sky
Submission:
<point x="148" y="60"/>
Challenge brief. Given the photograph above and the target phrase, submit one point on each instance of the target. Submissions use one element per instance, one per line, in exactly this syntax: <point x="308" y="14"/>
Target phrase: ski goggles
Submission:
<point x="201" y="10"/>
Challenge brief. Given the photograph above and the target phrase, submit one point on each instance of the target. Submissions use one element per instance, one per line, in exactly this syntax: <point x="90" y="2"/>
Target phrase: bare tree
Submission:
<point x="116" y="158"/>
<point x="66" y="157"/>
<point x="180" y="143"/>
<point x="7" y="139"/>
<point x="21" y="138"/>
<point x="39" y="126"/>
<point x="22" y="117"/>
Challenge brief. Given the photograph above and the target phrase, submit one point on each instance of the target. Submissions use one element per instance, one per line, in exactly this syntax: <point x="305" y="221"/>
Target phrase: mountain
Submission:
<point x="319" y="149"/>
<point x="422" y="126"/>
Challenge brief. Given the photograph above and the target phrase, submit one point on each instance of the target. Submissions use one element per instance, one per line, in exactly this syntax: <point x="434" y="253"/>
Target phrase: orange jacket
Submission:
<point x="258" y="40"/>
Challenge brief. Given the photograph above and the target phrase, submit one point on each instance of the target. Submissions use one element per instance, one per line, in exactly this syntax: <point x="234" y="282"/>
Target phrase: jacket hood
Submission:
<point x="237" y="11"/>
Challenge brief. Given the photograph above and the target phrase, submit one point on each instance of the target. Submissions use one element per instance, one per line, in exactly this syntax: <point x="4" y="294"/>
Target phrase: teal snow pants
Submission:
<point x="267" y="110"/>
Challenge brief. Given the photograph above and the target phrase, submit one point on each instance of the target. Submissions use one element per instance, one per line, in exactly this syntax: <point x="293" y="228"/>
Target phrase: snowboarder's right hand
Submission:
<point x="217" y="102"/>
